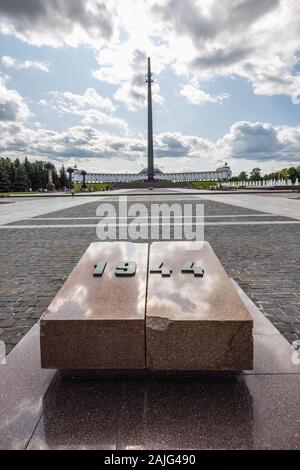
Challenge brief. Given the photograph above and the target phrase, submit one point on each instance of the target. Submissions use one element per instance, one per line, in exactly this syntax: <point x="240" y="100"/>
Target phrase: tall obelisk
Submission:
<point x="150" y="170"/>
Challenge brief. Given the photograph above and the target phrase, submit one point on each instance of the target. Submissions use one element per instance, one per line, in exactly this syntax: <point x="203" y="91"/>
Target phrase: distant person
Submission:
<point x="72" y="191"/>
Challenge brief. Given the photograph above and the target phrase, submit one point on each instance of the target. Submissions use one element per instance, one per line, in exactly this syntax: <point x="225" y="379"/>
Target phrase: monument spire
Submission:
<point x="150" y="170"/>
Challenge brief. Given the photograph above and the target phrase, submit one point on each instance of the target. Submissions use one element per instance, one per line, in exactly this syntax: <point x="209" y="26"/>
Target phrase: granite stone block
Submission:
<point x="98" y="322"/>
<point x="194" y="322"/>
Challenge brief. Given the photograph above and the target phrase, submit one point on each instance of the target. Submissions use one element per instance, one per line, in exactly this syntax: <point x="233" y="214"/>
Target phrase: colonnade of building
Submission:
<point x="220" y="174"/>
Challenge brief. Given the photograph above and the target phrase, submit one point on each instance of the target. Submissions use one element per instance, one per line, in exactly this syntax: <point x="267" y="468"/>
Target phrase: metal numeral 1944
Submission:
<point x="128" y="269"/>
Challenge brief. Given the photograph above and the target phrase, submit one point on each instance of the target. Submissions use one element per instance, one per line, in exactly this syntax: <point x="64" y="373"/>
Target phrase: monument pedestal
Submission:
<point x="183" y="315"/>
<point x="50" y="187"/>
<point x="195" y="319"/>
<point x="98" y="322"/>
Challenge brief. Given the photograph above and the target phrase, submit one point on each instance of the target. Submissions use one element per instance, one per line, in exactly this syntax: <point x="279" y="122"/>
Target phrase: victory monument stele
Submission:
<point x="150" y="168"/>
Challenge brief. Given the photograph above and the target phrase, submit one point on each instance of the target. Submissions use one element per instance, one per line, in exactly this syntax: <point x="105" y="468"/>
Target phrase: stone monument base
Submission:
<point x="109" y="374"/>
<point x="195" y="320"/>
<point x="96" y="321"/>
<point x="50" y="187"/>
<point x="183" y="316"/>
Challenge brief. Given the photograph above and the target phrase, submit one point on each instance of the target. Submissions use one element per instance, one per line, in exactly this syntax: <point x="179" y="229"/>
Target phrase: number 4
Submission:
<point x="190" y="268"/>
<point x="165" y="271"/>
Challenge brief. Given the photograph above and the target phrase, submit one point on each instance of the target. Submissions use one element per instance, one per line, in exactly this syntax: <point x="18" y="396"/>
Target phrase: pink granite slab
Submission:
<point x="98" y="322"/>
<point x="195" y="323"/>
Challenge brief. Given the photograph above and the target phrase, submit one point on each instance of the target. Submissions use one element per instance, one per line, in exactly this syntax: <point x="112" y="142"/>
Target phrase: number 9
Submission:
<point x="125" y="268"/>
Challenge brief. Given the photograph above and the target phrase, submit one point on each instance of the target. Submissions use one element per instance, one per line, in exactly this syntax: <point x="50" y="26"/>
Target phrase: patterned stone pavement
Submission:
<point x="263" y="259"/>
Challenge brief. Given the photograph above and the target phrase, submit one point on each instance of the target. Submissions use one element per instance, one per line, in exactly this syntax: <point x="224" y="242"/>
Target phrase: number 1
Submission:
<point x="99" y="268"/>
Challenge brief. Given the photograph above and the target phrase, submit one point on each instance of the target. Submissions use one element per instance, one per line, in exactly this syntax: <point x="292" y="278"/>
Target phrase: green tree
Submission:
<point x="17" y="163"/>
<point x="56" y="180"/>
<point x="284" y="174"/>
<point x="38" y="177"/>
<point x="63" y="178"/>
<point x="21" y="181"/>
<point x="292" y="173"/>
<point x="11" y="174"/>
<point x="29" y="167"/>
<point x="255" y="174"/>
<point x="4" y="180"/>
<point x="243" y="176"/>
<point x="6" y="165"/>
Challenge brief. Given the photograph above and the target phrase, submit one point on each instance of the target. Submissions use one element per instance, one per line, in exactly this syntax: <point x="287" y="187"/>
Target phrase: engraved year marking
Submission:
<point x="125" y="268"/>
<point x="99" y="268"/>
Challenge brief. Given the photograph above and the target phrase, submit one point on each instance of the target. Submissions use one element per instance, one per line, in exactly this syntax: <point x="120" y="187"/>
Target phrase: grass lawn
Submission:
<point x="18" y="192"/>
<point x="77" y="186"/>
<point x="204" y="184"/>
<point x="93" y="186"/>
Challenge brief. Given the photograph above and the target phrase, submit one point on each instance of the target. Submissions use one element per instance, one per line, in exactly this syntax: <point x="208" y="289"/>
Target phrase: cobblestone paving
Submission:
<point x="263" y="259"/>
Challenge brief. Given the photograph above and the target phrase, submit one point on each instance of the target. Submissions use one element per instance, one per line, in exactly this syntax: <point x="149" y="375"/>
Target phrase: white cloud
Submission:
<point x="12" y="105"/>
<point x="126" y="65"/>
<point x="70" y="102"/>
<point x="133" y="93"/>
<point x="245" y="144"/>
<point x="8" y="61"/>
<point x="261" y="142"/>
<point x="75" y="142"/>
<point x="254" y="39"/>
<point x="175" y="144"/>
<point x="85" y="141"/>
<point x="59" y="22"/>
<point x="92" y="108"/>
<point x="93" y="117"/>
<point x="198" y="97"/>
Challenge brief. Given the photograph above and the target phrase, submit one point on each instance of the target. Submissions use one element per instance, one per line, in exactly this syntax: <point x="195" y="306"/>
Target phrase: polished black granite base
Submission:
<point x="257" y="409"/>
<point x="105" y="374"/>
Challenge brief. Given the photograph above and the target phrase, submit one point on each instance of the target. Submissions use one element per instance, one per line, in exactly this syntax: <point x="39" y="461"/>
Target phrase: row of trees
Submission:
<point x="291" y="173"/>
<point x="25" y="176"/>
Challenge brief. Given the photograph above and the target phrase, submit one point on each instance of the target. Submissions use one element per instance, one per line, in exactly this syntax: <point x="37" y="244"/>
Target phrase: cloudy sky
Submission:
<point x="226" y="82"/>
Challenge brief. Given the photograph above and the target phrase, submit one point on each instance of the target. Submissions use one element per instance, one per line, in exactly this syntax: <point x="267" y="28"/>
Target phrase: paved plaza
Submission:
<point x="256" y="409"/>
<point x="260" y="250"/>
